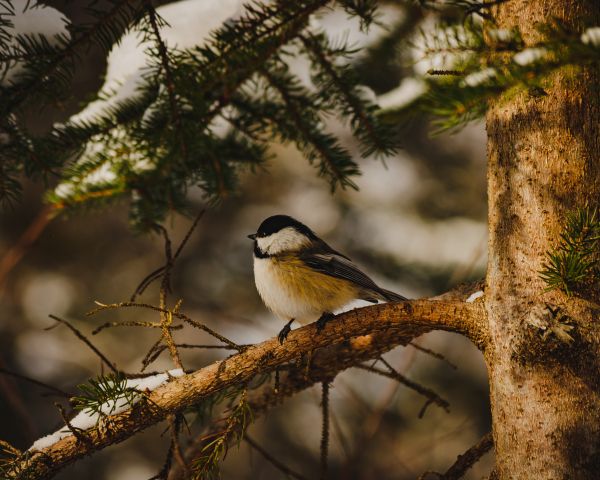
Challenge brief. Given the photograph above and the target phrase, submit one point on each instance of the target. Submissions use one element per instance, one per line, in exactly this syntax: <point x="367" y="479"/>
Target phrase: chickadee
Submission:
<point x="300" y="277"/>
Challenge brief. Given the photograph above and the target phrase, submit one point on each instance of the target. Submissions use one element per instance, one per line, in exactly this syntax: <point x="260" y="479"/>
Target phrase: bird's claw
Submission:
<point x="285" y="331"/>
<point x="283" y="334"/>
<point x="323" y="320"/>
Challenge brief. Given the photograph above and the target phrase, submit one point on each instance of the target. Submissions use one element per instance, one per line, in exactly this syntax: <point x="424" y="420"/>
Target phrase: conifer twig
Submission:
<point x="465" y="461"/>
<point x="68" y="52"/>
<point x="169" y="80"/>
<point x="175" y="423"/>
<point x="437" y="355"/>
<point x="84" y="339"/>
<point x="157" y="273"/>
<point x="272" y="459"/>
<point x="33" y="381"/>
<point x="382" y="326"/>
<point x="77" y="432"/>
<point x="179" y="315"/>
<point x="324" y="430"/>
<point x="431" y="396"/>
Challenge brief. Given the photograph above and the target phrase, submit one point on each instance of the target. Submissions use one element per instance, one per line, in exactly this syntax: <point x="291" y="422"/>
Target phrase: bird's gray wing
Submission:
<point x="335" y="265"/>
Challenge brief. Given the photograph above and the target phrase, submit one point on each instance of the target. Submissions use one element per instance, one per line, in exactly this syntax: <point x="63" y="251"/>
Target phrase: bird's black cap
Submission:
<point x="278" y="222"/>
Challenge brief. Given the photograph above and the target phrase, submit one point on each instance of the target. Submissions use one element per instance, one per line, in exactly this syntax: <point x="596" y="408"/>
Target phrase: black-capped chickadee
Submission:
<point x="300" y="277"/>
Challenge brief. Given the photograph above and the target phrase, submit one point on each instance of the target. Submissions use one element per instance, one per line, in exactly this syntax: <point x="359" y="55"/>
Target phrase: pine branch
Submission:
<point x="465" y="461"/>
<point x="487" y="72"/>
<point x="84" y="339"/>
<point x="119" y="15"/>
<point x="574" y="265"/>
<point x="335" y="162"/>
<point x="340" y="85"/>
<point x="169" y="80"/>
<point x="387" y="324"/>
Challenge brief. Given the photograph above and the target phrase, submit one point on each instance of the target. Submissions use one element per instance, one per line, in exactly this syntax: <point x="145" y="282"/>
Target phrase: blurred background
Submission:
<point x="416" y="224"/>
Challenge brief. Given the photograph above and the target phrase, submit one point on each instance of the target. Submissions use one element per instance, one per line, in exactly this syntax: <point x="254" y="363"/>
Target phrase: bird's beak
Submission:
<point x="252" y="236"/>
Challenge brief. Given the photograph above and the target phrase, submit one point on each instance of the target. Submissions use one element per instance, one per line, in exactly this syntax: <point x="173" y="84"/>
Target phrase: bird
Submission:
<point x="299" y="277"/>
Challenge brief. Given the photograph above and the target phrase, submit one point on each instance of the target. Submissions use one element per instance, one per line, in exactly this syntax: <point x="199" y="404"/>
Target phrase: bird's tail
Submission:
<point x="390" y="296"/>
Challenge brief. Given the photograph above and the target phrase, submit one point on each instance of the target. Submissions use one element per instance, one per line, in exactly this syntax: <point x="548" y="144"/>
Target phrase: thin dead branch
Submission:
<point x="465" y="461"/>
<point x="431" y="396"/>
<point x="33" y="381"/>
<point x="85" y="340"/>
<point x="282" y="467"/>
<point x="437" y="355"/>
<point x="325" y="430"/>
<point x="156" y="274"/>
<point x="179" y="315"/>
<point x="350" y="339"/>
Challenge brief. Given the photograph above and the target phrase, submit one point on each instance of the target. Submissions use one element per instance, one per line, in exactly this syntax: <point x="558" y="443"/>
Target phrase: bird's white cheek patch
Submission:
<point x="286" y="239"/>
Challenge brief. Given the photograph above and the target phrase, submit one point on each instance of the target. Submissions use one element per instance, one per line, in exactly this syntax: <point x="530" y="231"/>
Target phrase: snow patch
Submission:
<point x="101" y="176"/>
<point x="530" y="55"/>
<point x="32" y="19"/>
<point x="85" y="420"/>
<point x="591" y="36"/>
<point x="474" y="296"/>
<point x="64" y="190"/>
<point x="478" y="78"/>
<point x="189" y="23"/>
<point x="501" y="35"/>
<point x="404" y="94"/>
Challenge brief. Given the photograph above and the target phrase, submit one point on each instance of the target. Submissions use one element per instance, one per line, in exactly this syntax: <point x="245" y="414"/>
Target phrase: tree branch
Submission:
<point x="351" y="338"/>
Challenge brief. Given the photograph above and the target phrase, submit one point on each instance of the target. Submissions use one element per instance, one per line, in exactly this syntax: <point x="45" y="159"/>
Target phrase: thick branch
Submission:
<point x="351" y="338"/>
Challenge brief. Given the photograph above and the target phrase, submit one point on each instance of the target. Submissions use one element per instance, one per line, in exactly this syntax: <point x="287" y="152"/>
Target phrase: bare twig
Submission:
<point x="175" y="423"/>
<point x="158" y="272"/>
<point x="7" y="447"/>
<point x="181" y="316"/>
<point x="273" y="460"/>
<point x="166" y="316"/>
<point x="33" y="381"/>
<point x="431" y="396"/>
<point x="465" y="461"/>
<point x="106" y="325"/>
<point x="157" y="349"/>
<point x="353" y="338"/>
<point x="325" y="430"/>
<point x="11" y="393"/>
<point x="437" y="355"/>
<point x="77" y="432"/>
<point x="14" y="255"/>
<point x="84" y="339"/>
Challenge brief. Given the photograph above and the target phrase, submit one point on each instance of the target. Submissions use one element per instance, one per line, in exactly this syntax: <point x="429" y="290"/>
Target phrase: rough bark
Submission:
<point x="350" y="339"/>
<point x="543" y="155"/>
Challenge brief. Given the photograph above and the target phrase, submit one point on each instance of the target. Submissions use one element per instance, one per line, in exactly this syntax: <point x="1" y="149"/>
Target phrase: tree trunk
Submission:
<point x="543" y="161"/>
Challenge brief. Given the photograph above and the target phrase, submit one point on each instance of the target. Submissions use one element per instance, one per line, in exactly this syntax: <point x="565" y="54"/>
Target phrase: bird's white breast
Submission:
<point x="277" y="296"/>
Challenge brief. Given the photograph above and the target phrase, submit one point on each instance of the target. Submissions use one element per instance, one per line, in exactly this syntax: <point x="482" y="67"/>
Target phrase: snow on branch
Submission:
<point x="353" y="337"/>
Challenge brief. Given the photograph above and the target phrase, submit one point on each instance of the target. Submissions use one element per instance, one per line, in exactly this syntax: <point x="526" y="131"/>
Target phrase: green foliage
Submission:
<point x="105" y="394"/>
<point x="573" y="266"/>
<point x="485" y="68"/>
<point x="234" y="427"/>
<point x="205" y="114"/>
<point x="154" y="146"/>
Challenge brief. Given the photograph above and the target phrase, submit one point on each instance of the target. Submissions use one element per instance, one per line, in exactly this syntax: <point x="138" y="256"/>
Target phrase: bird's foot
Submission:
<point x="285" y="331"/>
<point x="323" y="320"/>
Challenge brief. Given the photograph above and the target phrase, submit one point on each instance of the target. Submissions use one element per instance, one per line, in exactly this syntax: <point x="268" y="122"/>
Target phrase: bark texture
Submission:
<point x="353" y="337"/>
<point x="543" y="155"/>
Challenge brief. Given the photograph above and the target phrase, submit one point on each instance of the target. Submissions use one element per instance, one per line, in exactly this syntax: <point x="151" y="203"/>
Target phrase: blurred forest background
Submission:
<point x="417" y="224"/>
